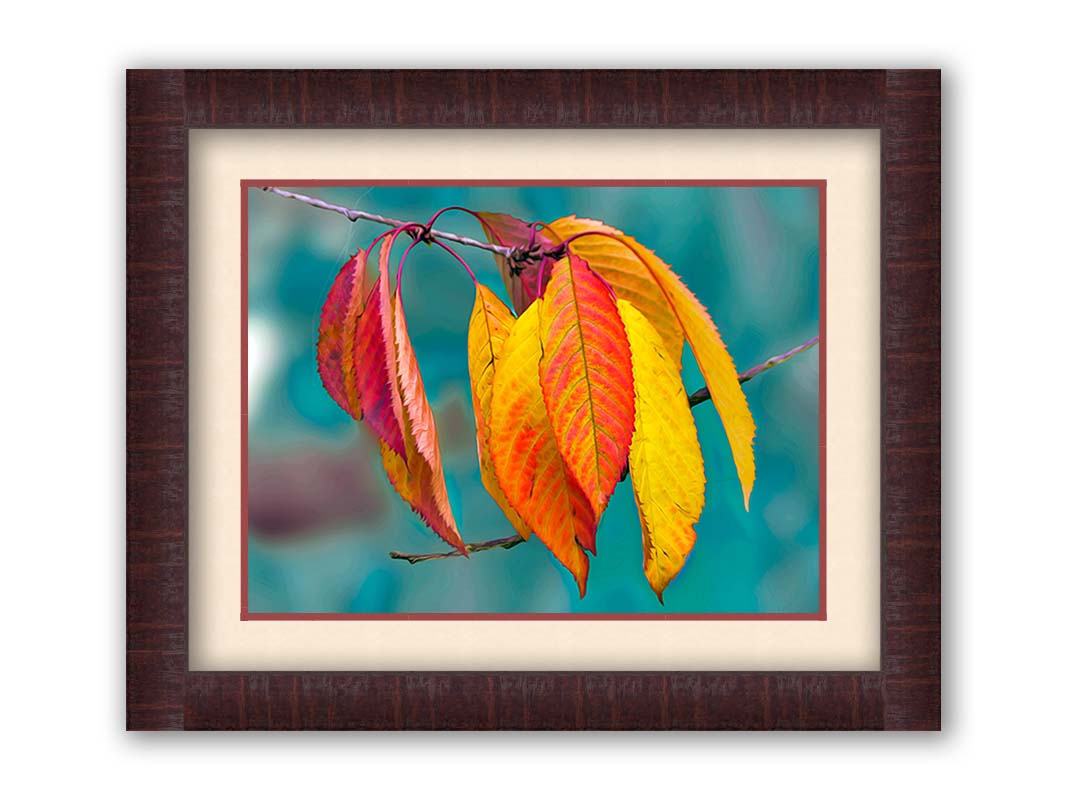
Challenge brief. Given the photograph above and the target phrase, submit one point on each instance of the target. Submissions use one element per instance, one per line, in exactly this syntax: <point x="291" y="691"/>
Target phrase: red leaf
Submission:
<point x="375" y="361"/>
<point x="343" y="307"/>
<point x="520" y="279"/>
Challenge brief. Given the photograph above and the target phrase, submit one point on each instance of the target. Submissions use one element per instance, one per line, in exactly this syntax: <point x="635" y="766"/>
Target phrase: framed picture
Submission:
<point x="533" y="400"/>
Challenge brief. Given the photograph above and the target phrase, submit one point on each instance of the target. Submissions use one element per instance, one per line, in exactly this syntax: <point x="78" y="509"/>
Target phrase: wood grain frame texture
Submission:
<point x="161" y="107"/>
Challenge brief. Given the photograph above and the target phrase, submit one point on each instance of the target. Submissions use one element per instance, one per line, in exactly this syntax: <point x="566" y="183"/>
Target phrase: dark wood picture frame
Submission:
<point x="161" y="691"/>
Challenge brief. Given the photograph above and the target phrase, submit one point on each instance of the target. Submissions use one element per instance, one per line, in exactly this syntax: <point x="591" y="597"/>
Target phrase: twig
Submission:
<point x="695" y="399"/>
<point x="473" y="547"/>
<point x="700" y="395"/>
<point x="354" y="214"/>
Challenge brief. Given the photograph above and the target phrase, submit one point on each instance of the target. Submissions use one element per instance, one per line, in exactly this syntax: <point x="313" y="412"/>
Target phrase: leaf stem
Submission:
<point x="464" y="209"/>
<point x="459" y="258"/>
<point x="400" y="268"/>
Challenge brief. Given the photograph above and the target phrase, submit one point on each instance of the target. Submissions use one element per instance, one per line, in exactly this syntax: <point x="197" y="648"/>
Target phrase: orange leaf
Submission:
<point x="691" y="318"/>
<point x="626" y="274"/>
<point x="412" y="391"/>
<point x="666" y="468"/>
<point x="532" y="473"/>
<point x="417" y="482"/>
<point x="374" y="356"/>
<point x="343" y="307"/>
<point x="490" y="325"/>
<point x="520" y="280"/>
<point x="422" y="448"/>
<point x="587" y="379"/>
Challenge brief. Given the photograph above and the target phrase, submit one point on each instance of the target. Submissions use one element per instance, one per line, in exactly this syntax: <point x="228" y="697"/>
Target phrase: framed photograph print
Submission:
<point x="533" y="399"/>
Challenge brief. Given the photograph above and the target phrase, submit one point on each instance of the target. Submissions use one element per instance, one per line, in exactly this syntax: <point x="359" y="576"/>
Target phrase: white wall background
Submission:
<point x="63" y="419"/>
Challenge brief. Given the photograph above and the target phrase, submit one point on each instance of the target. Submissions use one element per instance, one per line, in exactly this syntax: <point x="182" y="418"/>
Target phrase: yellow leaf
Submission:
<point x="490" y="325"/>
<point x="528" y="463"/>
<point x="666" y="468"/>
<point x="690" y="317"/>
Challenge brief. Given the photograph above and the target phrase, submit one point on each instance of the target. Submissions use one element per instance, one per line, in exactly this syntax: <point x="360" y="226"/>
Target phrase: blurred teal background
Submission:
<point x="322" y="516"/>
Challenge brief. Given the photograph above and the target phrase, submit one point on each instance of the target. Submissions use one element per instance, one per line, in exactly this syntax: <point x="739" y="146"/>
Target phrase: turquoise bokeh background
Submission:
<point x="322" y="516"/>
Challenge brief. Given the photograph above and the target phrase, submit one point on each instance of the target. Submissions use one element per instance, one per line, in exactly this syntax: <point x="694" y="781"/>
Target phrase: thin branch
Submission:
<point x="473" y="547"/>
<point x="695" y="399"/>
<point x="700" y="395"/>
<point x="354" y="215"/>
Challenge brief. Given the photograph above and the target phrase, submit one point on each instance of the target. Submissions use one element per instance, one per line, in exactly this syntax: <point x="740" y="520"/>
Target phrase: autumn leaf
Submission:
<point x="587" y="379"/>
<point x="532" y="473"/>
<point x="520" y="279"/>
<point x="422" y="448"/>
<point x="666" y="467"/>
<point x="364" y="351"/>
<point x="690" y="317"/>
<point x="375" y="359"/>
<point x="626" y="274"/>
<point x="419" y="485"/>
<point x="343" y="307"/>
<point x="490" y="325"/>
